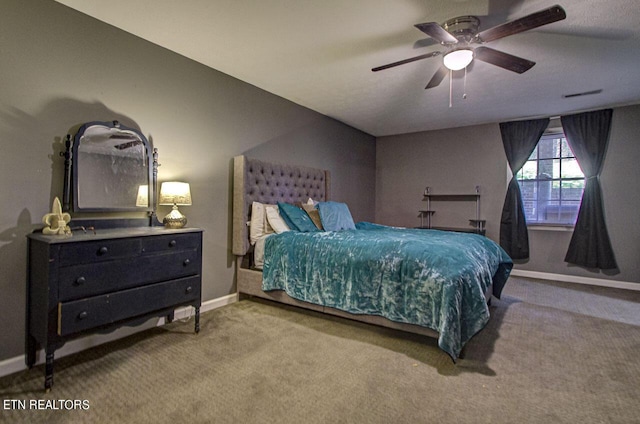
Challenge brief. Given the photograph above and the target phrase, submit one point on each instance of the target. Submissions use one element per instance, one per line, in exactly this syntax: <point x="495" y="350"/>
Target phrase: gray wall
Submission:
<point x="61" y="68"/>
<point x="449" y="161"/>
<point x="455" y="160"/>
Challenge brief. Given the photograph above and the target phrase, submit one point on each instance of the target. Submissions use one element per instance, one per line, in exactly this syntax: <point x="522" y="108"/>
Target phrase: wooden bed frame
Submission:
<point x="270" y="183"/>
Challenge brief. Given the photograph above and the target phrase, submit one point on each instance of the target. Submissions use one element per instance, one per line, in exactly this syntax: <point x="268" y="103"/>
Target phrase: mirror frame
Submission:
<point x="71" y="178"/>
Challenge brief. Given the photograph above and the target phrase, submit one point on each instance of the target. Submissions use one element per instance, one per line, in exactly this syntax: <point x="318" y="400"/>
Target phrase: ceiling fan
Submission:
<point x="459" y="35"/>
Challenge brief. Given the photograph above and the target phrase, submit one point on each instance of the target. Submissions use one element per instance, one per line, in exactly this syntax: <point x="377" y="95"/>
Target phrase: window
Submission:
<point x="551" y="182"/>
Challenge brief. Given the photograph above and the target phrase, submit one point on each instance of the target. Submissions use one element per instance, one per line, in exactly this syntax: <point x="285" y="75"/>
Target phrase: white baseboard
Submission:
<point x="15" y="364"/>
<point x="576" y="279"/>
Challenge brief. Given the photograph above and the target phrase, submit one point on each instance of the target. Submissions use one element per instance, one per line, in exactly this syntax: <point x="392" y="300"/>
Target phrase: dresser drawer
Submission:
<point x="171" y="242"/>
<point x="97" y="251"/>
<point x="84" y="314"/>
<point x="97" y="278"/>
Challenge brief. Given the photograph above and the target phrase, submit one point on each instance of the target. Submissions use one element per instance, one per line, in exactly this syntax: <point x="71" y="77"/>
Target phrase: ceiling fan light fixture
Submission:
<point x="458" y="59"/>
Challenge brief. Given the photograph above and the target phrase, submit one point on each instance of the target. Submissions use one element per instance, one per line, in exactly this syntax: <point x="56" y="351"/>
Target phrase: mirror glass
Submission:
<point x="111" y="169"/>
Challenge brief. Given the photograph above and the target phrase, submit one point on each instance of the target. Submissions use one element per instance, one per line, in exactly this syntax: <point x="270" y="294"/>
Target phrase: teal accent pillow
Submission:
<point x="296" y="218"/>
<point x="335" y="216"/>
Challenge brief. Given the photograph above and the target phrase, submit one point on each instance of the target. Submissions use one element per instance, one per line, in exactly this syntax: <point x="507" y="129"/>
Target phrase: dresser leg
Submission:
<point x="48" y="372"/>
<point x="197" y="329"/>
<point x="30" y="357"/>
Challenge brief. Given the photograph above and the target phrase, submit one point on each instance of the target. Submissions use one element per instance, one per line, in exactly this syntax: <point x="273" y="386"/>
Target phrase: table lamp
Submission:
<point x="142" y="200"/>
<point x="175" y="193"/>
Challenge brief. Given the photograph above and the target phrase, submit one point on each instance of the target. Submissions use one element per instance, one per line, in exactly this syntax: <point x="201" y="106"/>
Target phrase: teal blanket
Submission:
<point x="436" y="279"/>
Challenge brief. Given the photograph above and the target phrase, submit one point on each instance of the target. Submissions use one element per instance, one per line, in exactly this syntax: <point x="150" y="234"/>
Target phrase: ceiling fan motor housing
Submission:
<point x="464" y="28"/>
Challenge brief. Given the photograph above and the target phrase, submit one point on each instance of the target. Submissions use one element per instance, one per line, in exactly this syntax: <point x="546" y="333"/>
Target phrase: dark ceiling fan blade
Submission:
<point x="435" y="31"/>
<point x="437" y="78"/>
<point x="534" y="20"/>
<point x="503" y="60"/>
<point x="402" y="62"/>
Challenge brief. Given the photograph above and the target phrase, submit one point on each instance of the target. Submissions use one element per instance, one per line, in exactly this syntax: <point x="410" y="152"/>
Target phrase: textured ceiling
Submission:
<point x="319" y="54"/>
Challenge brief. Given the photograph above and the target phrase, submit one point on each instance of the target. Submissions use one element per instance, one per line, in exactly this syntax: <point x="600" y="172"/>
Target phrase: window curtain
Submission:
<point x="519" y="139"/>
<point x="587" y="135"/>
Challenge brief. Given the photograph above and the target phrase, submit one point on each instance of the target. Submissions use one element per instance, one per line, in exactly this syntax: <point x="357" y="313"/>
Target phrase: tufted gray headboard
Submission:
<point x="265" y="182"/>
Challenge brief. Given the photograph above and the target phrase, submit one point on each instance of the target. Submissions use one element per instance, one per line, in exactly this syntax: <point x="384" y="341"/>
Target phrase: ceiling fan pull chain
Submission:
<point x="450" y="87"/>
<point x="464" y="84"/>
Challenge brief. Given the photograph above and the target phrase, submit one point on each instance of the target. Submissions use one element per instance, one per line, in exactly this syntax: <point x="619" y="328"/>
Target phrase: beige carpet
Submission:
<point x="552" y="353"/>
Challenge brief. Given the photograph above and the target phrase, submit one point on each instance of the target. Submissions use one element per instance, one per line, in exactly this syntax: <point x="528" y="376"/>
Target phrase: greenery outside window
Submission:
<point x="551" y="182"/>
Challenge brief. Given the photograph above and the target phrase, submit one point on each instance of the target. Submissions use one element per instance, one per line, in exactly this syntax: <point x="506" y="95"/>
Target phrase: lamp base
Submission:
<point x="174" y="219"/>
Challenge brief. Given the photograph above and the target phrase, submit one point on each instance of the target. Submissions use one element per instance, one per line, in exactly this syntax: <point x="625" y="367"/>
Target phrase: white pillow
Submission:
<point x="275" y="220"/>
<point x="258" y="226"/>
<point x="258" y="253"/>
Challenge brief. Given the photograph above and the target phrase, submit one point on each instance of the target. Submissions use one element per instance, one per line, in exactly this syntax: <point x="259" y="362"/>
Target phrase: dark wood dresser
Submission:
<point x="86" y="283"/>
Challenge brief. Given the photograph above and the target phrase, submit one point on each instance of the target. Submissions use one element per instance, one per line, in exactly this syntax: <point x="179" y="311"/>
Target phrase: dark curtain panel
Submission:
<point x="588" y="134"/>
<point x="519" y="139"/>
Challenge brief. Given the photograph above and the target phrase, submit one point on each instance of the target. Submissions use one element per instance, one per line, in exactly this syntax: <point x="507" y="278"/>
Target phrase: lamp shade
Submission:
<point x="175" y="193"/>
<point x="458" y="59"/>
<point x="143" y="196"/>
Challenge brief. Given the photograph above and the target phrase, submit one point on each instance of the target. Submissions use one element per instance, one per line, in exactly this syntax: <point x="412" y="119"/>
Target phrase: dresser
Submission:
<point x="96" y="282"/>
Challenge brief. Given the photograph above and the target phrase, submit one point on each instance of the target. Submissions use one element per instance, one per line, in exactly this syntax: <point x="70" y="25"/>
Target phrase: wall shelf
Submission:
<point x="477" y="224"/>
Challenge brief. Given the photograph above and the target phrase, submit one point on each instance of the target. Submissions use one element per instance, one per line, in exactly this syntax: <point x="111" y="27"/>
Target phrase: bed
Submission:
<point x="429" y="282"/>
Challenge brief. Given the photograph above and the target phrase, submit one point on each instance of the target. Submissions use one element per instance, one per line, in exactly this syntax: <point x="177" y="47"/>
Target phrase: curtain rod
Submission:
<point x="555" y="116"/>
<point x="614" y="106"/>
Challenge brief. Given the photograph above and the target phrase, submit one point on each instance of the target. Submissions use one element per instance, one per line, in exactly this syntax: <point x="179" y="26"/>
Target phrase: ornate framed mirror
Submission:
<point x="109" y="168"/>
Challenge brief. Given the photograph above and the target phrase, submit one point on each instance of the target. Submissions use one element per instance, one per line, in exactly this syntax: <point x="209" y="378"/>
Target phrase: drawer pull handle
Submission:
<point x="103" y="250"/>
<point x="188" y="290"/>
<point x="80" y="281"/>
<point x="172" y="243"/>
<point x="83" y="315"/>
<point x="186" y="262"/>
